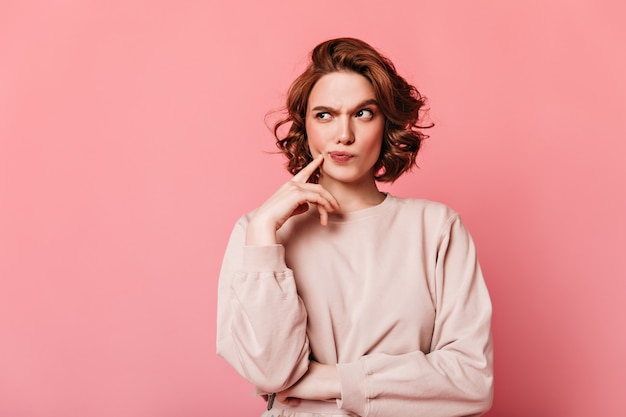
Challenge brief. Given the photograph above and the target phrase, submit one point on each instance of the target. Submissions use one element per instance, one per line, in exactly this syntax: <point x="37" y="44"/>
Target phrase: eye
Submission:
<point x="323" y="115"/>
<point x="364" y="114"/>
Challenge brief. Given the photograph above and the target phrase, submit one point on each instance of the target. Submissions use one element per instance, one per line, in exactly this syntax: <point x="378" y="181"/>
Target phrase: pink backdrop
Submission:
<point x="132" y="136"/>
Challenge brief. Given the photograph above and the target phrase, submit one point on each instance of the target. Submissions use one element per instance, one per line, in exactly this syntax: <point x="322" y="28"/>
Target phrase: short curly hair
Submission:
<point x="400" y="102"/>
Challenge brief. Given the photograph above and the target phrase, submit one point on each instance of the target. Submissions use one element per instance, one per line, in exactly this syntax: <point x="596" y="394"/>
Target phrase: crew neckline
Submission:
<point x="356" y="214"/>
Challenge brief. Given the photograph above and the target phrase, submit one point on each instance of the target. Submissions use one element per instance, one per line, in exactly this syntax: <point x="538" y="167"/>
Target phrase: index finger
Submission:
<point x="308" y="170"/>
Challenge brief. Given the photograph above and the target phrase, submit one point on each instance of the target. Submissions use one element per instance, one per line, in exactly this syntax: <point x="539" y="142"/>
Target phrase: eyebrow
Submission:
<point x="362" y="104"/>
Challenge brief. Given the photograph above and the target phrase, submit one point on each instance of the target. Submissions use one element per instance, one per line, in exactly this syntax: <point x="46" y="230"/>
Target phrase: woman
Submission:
<point x="337" y="299"/>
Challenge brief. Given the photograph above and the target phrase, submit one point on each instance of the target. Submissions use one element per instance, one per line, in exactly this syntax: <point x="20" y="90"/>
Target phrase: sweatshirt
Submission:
<point x="392" y="294"/>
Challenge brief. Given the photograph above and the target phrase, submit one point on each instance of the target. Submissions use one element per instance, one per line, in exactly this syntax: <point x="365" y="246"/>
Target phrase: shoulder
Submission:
<point x="432" y="220"/>
<point x="427" y="209"/>
<point x="245" y="218"/>
<point x="241" y="224"/>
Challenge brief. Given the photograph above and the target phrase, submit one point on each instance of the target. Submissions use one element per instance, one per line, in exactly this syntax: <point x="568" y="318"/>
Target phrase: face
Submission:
<point x="344" y="123"/>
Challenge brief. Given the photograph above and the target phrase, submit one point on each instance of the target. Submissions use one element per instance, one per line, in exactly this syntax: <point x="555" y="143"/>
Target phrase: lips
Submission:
<point x="338" y="156"/>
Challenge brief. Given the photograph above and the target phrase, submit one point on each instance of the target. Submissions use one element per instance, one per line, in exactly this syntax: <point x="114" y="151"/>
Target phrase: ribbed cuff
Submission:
<point x="354" y="396"/>
<point x="269" y="258"/>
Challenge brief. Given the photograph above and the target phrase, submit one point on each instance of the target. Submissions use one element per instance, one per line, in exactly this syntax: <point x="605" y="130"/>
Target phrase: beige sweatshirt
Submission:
<point x="392" y="294"/>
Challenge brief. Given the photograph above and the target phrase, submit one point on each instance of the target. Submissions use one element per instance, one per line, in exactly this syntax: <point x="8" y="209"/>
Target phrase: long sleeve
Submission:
<point x="455" y="378"/>
<point x="261" y="321"/>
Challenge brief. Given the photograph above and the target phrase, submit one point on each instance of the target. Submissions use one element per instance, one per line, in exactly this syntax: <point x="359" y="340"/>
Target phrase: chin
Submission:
<point x="344" y="179"/>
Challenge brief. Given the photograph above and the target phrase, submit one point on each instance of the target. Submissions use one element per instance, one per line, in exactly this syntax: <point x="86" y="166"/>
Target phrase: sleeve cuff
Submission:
<point x="264" y="258"/>
<point x="354" y="395"/>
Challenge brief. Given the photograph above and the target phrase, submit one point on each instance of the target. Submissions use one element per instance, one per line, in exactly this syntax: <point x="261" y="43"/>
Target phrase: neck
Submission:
<point x="352" y="197"/>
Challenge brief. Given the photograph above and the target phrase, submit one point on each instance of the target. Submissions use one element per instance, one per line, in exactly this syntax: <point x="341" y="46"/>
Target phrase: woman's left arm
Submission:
<point x="454" y="378"/>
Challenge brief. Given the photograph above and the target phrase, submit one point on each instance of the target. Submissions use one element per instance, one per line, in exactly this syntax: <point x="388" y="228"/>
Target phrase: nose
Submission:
<point x="345" y="135"/>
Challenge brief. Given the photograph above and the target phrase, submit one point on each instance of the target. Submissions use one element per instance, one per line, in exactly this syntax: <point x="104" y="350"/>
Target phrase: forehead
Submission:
<point x="341" y="89"/>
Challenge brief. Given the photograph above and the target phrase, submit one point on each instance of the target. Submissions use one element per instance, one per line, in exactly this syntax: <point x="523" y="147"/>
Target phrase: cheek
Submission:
<point x="375" y="138"/>
<point x="314" y="138"/>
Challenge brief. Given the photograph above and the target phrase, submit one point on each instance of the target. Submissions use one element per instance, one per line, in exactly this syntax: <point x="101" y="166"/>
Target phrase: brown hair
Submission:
<point x="399" y="102"/>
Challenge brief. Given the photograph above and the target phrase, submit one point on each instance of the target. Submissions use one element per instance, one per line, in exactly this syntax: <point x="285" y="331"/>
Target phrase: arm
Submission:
<point x="456" y="377"/>
<point x="321" y="382"/>
<point x="261" y="328"/>
<point x="453" y="379"/>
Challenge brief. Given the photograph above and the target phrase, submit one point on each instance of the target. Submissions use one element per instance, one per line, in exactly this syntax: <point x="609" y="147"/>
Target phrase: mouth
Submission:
<point x="338" y="156"/>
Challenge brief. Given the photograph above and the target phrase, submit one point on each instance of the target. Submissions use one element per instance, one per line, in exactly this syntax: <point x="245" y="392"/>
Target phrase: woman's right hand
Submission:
<point x="292" y="198"/>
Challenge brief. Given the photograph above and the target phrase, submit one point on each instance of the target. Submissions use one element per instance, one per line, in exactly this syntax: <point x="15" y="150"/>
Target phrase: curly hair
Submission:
<point x="399" y="101"/>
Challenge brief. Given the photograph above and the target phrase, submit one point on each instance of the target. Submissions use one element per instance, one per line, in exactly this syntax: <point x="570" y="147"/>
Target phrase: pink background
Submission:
<point x="132" y="136"/>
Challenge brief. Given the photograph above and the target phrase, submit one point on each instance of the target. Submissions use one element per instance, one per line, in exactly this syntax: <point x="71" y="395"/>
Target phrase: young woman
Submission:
<point x="337" y="299"/>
